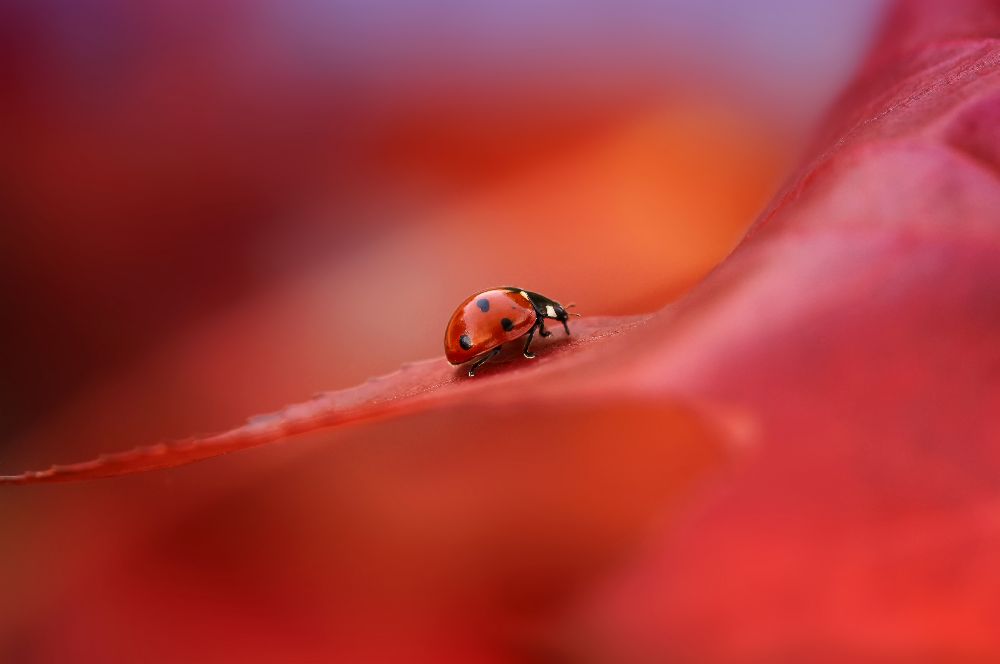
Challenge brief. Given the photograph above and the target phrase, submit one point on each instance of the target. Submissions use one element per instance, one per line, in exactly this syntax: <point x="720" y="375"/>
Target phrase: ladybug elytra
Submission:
<point x="487" y="320"/>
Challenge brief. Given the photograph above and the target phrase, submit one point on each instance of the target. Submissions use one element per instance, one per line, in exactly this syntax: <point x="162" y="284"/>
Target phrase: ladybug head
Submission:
<point x="562" y="314"/>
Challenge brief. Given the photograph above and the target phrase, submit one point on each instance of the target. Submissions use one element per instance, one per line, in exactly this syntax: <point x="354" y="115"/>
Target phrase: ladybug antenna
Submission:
<point x="570" y="306"/>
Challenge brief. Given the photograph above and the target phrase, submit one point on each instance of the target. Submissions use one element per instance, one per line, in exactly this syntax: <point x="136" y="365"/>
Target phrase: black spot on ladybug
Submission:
<point x="507" y="324"/>
<point x="465" y="341"/>
<point x="483" y="304"/>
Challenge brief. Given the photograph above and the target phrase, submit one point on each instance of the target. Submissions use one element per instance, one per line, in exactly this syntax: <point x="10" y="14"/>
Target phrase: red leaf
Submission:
<point x="860" y="326"/>
<point x="852" y="339"/>
<point x="414" y="388"/>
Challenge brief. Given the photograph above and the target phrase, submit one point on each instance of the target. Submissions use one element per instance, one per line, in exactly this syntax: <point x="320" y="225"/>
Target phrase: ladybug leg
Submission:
<point x="483" y="360"/>
<point x="566" y="326"/>
<point x="527" y="344"/>
<point x="541" y="329"/>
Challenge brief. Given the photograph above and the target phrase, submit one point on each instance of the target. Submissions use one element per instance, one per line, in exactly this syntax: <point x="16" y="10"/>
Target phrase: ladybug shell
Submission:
<point x="485" y="320"/>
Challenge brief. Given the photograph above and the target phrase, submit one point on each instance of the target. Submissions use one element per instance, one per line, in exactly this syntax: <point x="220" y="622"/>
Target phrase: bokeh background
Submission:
<point x="299" y="192"/>
<point x="210" y="209"/>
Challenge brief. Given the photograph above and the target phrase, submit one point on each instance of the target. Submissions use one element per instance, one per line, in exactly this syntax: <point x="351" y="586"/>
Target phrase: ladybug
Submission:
<point x="485" y="321"/>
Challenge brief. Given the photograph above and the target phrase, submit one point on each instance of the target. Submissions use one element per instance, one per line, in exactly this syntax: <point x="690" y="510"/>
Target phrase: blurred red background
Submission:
<point x="212" y="209"/>
<point x="298" y="193"/>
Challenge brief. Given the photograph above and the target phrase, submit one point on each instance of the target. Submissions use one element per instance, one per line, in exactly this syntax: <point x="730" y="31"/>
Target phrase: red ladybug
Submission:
<point x="485" y="321"/>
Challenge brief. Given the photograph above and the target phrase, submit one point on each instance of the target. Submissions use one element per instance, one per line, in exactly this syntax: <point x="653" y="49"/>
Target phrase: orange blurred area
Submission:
<point x="621" y="223"/>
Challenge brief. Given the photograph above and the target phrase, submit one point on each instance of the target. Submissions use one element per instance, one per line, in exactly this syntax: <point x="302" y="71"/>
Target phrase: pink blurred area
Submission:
<point x="292" y="196"/>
